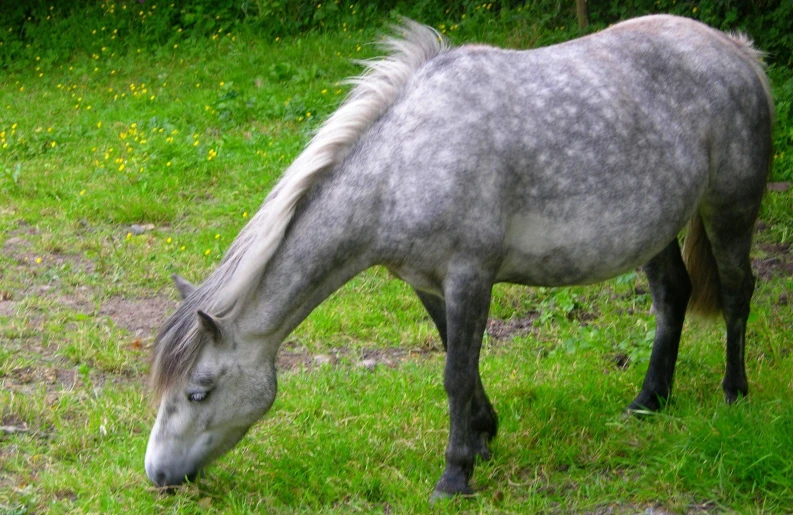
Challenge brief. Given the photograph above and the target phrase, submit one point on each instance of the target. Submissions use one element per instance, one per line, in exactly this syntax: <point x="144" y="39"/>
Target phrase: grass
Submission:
<point x="185" y="142"/>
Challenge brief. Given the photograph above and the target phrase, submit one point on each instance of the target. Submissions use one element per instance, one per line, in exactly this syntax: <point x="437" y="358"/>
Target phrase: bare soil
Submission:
<point x="141" y="317"/>
<point x="506" y="329"/>
<point x="294" y="357"/>
<point x="777" y="260"/>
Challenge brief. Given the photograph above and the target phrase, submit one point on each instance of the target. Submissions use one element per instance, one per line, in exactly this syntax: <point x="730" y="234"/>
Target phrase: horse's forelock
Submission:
<point x="176" y="349"/>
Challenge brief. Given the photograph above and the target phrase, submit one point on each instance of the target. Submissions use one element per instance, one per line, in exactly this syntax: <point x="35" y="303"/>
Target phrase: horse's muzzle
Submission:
<point x="164" y="478"/>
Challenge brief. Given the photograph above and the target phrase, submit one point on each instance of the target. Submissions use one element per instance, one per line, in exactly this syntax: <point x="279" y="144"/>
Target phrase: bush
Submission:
<point x="55" y="29"/>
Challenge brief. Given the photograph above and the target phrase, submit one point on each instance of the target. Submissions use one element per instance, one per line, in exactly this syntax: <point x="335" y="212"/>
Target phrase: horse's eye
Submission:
<point x="197" y="396"/>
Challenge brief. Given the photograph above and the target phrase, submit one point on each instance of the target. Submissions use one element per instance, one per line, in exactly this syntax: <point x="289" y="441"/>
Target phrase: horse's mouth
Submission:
<point x="168" y="485"/>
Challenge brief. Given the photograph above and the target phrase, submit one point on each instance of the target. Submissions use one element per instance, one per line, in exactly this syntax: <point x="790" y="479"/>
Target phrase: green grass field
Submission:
<point x="118" y="170"/>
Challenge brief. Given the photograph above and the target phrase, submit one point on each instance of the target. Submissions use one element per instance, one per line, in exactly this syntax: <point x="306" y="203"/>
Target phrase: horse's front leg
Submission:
<point x="467" y="293"/>
<point x="670" y="288"/>
<point x="484" y="420"/>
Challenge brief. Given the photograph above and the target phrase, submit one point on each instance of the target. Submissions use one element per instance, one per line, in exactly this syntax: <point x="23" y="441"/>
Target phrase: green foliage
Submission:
<point x="12" y="174"/>
<point x="50" y="31"/>
<point x="782" y="78"/>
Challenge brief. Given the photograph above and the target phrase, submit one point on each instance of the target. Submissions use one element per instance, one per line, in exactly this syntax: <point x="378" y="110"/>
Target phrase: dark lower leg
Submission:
<point x="437" y="311"/>
<point x="670" y="288"/>
<point x="735" y="299"/>
<point x="732" y="232"/>
<point x="467" y="304"/>
<point x="484" y="420"/>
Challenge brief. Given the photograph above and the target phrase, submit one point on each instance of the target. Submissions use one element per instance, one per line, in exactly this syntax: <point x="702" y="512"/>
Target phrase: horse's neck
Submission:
<point x="326" y="246"/>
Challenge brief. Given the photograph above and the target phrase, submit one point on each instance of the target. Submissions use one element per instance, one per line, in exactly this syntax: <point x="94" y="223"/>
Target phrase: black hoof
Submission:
<point x="734" y="389"/>
<point x="645" y="403"/>
<point x="440" y="495"/>
<point x="452" y="484"/>
<point x="734" y="396"/>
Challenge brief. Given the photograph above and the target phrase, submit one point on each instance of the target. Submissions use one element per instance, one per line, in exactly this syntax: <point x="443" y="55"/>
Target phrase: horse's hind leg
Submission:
<point x="670" y="288"/>
<point x="437" y="310"/>
<point x="730" y="233"/>
<point x="484" y="420"/>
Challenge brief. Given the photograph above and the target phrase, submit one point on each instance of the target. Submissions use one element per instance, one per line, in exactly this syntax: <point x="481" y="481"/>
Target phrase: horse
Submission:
<point x="460" y="167"/>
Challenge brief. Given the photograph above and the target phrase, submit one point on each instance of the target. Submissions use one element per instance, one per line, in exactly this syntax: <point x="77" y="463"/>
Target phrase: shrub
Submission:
<point x="55" y="29"/>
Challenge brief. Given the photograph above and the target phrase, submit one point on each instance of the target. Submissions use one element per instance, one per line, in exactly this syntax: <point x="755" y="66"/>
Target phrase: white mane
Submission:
<point x="375" y="91"/>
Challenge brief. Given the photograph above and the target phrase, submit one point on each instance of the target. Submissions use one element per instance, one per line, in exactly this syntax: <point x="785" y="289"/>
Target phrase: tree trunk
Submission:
<point x="581" y="11"/>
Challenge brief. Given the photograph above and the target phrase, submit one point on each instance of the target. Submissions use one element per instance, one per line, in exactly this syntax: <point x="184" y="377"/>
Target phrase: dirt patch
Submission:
<point x="505" y="329"/>
<point x="8" y="308"/>
<point x="294" y="357"/>
<point x="12" y="423"/>
<point x="19" y="248"/>
<point x="779" y="186"/>
<point x="40" y="262"/>
<point x="15" y="244"/>
<point x="141" y="317"/>
<point x="620" y="360"/>
<point x="777" y="260"/>
<point x="583" y="315"/>
<point x="57" y="381"/>
<point x="81" y="299"/>
<point x="655" y="509"/>
<point x="52" y="376"/>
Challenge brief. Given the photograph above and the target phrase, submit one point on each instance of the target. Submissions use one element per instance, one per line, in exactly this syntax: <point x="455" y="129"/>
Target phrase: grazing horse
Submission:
<point x="457" y="168"/>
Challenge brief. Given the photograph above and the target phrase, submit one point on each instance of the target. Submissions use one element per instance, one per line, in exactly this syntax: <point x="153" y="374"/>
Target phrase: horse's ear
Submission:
<point x="184" y="286"/>
<point x="210" y="325"/>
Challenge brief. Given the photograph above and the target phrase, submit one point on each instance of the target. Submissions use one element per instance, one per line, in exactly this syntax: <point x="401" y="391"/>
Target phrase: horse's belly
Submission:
<point x="541" y="251"/>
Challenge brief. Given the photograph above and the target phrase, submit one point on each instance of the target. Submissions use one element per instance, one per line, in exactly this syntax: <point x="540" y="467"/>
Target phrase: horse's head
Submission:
<point x="212" y="387"/>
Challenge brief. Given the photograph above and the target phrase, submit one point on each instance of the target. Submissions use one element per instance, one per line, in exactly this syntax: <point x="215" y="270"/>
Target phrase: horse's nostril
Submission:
<point x="160" y="479"/>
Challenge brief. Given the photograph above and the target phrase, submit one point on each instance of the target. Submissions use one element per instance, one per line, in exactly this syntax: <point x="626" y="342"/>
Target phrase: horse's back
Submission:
<point x="574" y="162"/>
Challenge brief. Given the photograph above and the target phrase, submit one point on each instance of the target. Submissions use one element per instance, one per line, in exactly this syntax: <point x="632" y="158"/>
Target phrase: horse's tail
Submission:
<point x="701" y="265"/>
